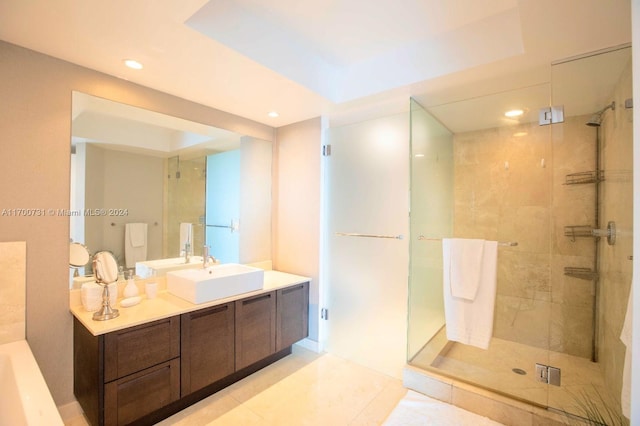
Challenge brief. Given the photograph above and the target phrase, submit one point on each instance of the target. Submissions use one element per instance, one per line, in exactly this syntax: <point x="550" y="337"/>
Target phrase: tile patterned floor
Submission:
<point x="420" y="410"/>
<point x="304" y="388"/>
<point x="307" y="388"/>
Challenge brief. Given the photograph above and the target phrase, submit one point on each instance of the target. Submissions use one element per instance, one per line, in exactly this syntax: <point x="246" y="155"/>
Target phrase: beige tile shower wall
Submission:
<point x="13" y="266"/>
<point x="186" y="197"/>
<point x="574" y="149"/>
<point x="617" y="199"/>
<point x="507" y="188"/>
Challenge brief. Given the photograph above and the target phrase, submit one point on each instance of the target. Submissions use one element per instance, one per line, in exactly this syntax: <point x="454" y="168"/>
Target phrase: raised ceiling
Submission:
<point x="347" y="50"/>
<point x="319" y="57"/>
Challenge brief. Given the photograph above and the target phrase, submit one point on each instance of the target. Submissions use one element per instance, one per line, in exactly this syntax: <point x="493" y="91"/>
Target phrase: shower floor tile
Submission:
<point x="493" y="369"/>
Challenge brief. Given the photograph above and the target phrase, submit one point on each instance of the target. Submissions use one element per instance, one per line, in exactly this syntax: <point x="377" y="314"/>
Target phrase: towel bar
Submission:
<point x="352" y="234"/>
<point x="500" y="243"/>
<point x="115" y="224"/>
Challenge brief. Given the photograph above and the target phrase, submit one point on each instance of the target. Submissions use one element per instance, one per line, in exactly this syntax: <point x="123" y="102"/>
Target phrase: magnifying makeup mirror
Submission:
<point x="105" y="270"/>
<point x="78" y="256"/>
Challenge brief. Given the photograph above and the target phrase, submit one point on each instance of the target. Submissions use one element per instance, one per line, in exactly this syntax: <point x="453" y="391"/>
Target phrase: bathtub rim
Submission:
<point x="37" y="403"/>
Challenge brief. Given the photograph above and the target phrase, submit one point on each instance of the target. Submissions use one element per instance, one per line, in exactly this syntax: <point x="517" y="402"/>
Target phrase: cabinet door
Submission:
<point x="292" y="315"/>
<point x="207" y="353"/>
<point x="136" y="348"/>
<point x="255" y="329"/>
<point x="132" y="397"/>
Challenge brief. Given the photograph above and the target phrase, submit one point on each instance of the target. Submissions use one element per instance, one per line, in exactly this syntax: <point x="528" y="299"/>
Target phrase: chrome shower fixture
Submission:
<point x="596" y="118"/>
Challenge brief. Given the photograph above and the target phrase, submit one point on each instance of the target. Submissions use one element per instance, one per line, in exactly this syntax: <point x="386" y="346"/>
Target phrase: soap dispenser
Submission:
<point x="131" y="289"/>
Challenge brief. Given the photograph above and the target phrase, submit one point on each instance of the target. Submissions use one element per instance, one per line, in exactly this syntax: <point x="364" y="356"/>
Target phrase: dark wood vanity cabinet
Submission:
<point x="136" y="348"/>
<point x="127" y="374"/>
<point x="145" y="373"/>
<point x="255" y="329"/>
<point x="137" y="395"/>
<point x="207" y="353"/>
<point x="292" y="315"/>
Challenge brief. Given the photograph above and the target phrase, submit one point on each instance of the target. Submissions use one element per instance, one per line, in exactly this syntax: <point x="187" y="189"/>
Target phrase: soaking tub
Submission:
<point x="25" y="396"/>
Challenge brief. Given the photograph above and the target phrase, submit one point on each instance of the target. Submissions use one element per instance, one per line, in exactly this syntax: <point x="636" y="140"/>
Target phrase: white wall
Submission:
<point x="296" y="196"/>
<point x="123" y="180"/>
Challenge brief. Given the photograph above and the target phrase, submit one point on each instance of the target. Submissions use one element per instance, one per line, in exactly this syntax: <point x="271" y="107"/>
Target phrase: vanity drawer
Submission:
<point x="130" y="398"/>
<point x="140" y="347"/>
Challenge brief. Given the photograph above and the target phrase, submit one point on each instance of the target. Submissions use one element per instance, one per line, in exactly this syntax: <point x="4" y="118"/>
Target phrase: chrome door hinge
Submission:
<point x="326" y="150"/>
<point x="548" y="374"/>
<point x="324" y="313"/>
<point x="551" y="115"/>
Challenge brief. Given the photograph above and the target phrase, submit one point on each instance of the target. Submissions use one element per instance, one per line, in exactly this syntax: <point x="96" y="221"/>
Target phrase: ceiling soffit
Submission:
<point x="348" y="51"/>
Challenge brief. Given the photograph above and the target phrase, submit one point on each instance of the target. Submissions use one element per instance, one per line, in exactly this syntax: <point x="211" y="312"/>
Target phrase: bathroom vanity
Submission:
<point x="165" y="354"/>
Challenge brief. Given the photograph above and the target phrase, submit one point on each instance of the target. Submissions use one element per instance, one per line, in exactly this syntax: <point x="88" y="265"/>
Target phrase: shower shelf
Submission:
<point x="580" y="178"/>
<point x="581" y="273"/>
<point x="578" y="231"/>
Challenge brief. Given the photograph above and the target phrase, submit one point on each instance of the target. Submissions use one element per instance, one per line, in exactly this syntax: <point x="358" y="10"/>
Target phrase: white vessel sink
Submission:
<point x="215" y="282"/>
<point x="162" y="266"/>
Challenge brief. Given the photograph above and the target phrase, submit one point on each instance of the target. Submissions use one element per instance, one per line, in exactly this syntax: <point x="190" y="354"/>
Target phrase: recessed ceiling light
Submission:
<point x="514" y="113"/>
<point x="273" y="114"/>
<point x="133" y="64"/>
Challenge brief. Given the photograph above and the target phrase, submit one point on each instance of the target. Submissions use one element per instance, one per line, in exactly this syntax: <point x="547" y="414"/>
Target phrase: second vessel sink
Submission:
<point x="216" y="282"/>
<point x="162" y="266"/>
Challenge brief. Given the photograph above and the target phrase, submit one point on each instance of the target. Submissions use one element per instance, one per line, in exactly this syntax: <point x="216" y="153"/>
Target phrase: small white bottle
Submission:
<point x="131" y="289"/>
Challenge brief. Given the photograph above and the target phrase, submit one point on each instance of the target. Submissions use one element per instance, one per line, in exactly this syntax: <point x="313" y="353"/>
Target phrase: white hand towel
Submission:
<point x="465" y="267"/>
<point x="135" y="233"/>
<point x="186" y="235"/>
<point x="625" y="336"/>
<point x="471" y="321"/>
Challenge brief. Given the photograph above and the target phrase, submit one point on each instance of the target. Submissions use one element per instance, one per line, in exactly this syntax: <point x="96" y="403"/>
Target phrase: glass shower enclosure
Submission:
<point x="558" y="198"/>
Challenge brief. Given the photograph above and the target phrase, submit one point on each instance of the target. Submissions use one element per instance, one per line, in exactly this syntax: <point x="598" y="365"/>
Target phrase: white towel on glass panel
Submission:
<point x="186" y="236"/>
<point x="470" y="321"/>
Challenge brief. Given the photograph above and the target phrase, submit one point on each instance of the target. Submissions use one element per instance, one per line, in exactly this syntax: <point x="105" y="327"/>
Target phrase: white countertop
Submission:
<point x="167" y="305"/>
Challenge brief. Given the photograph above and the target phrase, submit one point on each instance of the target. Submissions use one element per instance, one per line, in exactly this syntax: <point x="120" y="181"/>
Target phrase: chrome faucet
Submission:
<point x="187" y="252"/>
<point x="206" y="257"/>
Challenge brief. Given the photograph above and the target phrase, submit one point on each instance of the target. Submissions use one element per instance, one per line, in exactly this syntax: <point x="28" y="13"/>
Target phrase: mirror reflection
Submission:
<point x="147" y="186"/>
<point x="78" y="257"/>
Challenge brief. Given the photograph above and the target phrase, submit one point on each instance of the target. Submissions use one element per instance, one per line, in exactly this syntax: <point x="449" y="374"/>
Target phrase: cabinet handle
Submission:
<point x="256" y="299"/>
<point x="143" y="327"/>
<point x="209" y="312"/>
<point x="290" y="289"/>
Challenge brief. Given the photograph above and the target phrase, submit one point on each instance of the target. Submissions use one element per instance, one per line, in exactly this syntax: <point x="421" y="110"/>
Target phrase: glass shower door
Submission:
<point x="431" y="220"/>
<point x="495" y="176"/>
<point x="560" y="191"/>
<point x="366" y="252"/>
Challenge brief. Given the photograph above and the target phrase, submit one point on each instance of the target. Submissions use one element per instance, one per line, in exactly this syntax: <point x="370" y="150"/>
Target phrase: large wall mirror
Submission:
<point x="143" y="183"/>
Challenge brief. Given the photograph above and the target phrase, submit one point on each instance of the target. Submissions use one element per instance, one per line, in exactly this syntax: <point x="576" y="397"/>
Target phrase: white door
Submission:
<point x="366" y="247"/>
